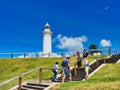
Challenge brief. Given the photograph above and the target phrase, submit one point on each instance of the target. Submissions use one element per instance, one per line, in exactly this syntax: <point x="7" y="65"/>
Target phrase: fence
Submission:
<point x="105" y="51"/>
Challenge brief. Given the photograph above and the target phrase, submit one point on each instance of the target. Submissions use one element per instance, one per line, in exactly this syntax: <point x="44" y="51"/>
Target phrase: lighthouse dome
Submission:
<point x="47" y="29"/>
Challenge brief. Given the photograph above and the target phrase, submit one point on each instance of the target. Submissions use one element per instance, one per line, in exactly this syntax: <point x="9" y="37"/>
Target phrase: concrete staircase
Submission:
<point x="81" y="72"/>
<point x="80" y="75"/>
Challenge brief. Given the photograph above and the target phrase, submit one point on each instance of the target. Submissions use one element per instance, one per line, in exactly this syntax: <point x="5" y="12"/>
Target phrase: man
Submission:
<point x="66" y="68"/>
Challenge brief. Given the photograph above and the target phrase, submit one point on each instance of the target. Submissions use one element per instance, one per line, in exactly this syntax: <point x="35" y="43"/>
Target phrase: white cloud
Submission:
<point x="37" y="54"/>
<point x="106" y="8"/>
<point x="105" y="43"/>
<point x="21" y="56"/>
<point x="103" y="10"/>
<point x="30" y="55"/>
<point x="70" y="43"/>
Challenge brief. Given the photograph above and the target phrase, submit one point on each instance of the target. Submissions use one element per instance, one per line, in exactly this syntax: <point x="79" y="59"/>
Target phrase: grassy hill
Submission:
<point x="108" y="78"/>
<point x="10" y="68"/>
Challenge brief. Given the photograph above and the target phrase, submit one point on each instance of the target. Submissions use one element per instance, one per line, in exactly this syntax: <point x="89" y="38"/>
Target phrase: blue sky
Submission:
<point x="22" y="23"/>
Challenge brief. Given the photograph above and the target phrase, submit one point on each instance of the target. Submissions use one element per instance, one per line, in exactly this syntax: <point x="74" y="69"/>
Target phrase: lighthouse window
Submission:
<point x="47" y="27"/>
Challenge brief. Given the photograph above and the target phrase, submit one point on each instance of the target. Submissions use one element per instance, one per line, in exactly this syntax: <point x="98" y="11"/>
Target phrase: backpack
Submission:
<point x="64" y="63"/>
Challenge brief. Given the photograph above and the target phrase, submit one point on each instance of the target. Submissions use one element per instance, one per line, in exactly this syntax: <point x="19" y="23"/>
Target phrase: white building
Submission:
<point x="47" y="41"/>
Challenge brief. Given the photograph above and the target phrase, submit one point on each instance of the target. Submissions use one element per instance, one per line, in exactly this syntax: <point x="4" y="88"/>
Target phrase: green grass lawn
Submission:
<point x="107" y="78"/>
<point x="10" y="68"/>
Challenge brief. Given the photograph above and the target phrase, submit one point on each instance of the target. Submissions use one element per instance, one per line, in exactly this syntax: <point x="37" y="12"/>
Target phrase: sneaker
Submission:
<point x="55" y="79"/>
<point x="83" y="80"/>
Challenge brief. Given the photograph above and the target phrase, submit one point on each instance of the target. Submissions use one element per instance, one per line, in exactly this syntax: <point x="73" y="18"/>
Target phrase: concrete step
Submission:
<point x="33" y="87"/>
<point x="61" y="80"/>
<point x="42" y="85"/>
<point x="23" y="88"/>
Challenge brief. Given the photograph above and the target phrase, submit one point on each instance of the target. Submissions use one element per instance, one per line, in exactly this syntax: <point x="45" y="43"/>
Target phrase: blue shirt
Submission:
<point x="65" y="64"/>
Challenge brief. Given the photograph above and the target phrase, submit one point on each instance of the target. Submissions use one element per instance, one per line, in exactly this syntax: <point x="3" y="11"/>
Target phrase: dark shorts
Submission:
<point x="67" y="73"/>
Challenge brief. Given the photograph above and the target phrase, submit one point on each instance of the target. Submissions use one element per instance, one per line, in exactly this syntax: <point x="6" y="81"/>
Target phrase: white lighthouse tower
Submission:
<point x="47" y="41"/>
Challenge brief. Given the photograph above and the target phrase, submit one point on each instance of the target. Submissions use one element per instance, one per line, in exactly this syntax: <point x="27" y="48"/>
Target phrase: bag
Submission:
<point x="64" y="63"/>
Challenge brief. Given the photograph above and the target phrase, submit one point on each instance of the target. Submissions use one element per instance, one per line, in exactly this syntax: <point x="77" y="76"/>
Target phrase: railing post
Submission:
<point x="36" y="55"/>
<point x="75" y="69"/>
<point x="24" y="54"/>
<point x="104" y="59"/>
<point x="109" y="51"/>
<point x="11" y="55"/>
<point x="40" y="80"/>
<point x="49" y="54"/>
<point x="116" y="54"/>
<point x="62" y="76"/>
<point x="97" y="61"/>
<point x="62" y="54"/>
<point x="20" y="83"/>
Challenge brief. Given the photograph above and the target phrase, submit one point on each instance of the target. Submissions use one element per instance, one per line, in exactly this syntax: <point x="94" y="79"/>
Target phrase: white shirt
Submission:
<point x="55" y="66"/>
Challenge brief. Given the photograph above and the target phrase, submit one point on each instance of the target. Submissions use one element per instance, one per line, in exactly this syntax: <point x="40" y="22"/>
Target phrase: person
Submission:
<point x="66" y="68"/>
<point x="85" y="57"/>
<point x="87" y="68"/>
<point x="55" y="68"/>
<point x="79" y="60"/>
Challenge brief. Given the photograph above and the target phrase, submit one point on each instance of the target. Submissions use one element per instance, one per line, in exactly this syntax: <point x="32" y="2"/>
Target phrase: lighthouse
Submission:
<point x="47" y="40"/>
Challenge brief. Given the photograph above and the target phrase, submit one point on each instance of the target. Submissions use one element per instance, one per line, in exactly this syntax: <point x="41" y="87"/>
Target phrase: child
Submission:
<point x="87" y="68"/>
<point x="55" y="71"/>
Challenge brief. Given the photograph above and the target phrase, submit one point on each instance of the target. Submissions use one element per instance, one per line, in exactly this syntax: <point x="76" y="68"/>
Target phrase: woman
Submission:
<point x="85" y="57"/>
<point x="79" y="60"/>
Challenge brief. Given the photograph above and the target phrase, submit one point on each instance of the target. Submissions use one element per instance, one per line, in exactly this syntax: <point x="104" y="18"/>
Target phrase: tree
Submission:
<point x="93" y="49"/>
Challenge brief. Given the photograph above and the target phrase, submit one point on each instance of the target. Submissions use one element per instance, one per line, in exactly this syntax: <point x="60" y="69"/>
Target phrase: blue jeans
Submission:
<point x="55" y="75"/>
